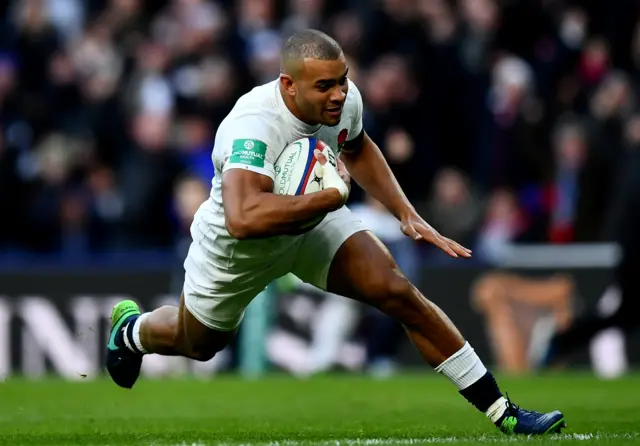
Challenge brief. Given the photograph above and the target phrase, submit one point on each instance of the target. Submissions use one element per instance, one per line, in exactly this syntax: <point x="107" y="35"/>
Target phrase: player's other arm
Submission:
<point x="253" y="211"/>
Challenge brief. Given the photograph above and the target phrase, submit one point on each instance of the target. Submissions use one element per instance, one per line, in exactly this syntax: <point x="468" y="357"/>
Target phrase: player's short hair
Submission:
<point x="309" y="44"/>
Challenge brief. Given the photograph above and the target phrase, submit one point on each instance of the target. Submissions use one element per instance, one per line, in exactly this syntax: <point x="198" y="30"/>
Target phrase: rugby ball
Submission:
<point x="296" y="167"/>
<point x="297" y="171"/>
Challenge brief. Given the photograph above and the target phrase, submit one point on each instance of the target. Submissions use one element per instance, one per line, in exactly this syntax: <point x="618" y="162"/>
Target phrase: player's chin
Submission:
<point x="331" y="118"/>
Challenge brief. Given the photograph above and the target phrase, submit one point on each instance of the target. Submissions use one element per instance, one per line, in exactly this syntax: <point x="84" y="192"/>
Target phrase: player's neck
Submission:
<point x="290" y="104"/>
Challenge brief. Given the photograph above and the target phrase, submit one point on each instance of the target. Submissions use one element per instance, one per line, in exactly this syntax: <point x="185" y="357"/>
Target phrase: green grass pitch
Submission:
<point x="325" y="411"/>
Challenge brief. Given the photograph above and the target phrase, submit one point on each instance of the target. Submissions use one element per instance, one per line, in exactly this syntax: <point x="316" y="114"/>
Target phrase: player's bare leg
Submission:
<point x="168" y="331"/>
<point x="173" y="331"/>
<point x="364" y="270"/>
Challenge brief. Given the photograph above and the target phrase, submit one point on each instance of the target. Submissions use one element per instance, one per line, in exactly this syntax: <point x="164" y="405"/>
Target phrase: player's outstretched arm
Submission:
<point x="253" y="211"/>
<point x="367" y="166"/>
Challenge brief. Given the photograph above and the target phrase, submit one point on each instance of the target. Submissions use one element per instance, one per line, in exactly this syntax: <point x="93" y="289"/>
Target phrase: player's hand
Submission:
<point x="344" y="173"/>
<point x="415" y="227"/>
<point x="334" y="176"/>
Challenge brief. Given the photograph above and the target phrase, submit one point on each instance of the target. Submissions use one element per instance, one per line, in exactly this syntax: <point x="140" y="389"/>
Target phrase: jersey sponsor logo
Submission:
<point x="250" y="152"/>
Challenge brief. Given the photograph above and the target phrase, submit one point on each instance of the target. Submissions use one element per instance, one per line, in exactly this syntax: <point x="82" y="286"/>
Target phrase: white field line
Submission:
<point x="486" y="439"/>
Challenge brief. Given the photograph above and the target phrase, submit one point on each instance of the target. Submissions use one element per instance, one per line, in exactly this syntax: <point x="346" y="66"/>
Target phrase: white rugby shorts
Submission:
<point x="220" y="283"/>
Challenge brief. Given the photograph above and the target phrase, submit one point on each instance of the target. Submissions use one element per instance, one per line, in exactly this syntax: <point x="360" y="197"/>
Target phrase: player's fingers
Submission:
<point x="459" y="250"/>
<point x="434" y="237"/>
<point x="341" y="167"/>
<point x="410" y="231"/>
<point x="440" y="241"/>
<point x="343" y="172"/>
<point x="462" y="248"/>
<point x="320" y="157"/>
<point x="442" y="244"/>
<point x="457" y="247"/>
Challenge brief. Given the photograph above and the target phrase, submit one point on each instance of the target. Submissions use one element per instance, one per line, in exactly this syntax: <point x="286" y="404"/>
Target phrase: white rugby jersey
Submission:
<point x="252" y="137"/>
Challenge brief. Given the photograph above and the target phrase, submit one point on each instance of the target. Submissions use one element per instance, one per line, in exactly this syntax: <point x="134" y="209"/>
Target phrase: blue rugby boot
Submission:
<point x="526" y="422"/>
<point x="123" y="364"/>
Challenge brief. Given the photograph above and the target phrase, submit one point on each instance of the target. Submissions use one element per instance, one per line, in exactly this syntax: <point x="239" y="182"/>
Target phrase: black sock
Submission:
<point x="483" y="393"/>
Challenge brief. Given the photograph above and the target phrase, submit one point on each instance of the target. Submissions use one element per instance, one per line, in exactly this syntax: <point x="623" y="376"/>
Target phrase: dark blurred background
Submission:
<point x="504" y="120"/>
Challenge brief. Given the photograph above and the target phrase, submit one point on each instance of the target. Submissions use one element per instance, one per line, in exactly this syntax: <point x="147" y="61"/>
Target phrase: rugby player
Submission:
<point x="244" y="236"/>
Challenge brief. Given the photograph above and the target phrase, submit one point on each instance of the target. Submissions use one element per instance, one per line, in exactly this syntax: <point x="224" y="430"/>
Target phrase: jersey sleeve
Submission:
<point x="356" y="124"/>
<point x="250" y="145"/>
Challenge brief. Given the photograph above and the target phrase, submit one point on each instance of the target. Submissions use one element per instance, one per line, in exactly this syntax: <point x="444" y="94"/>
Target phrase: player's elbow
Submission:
<point x="244" y="222"/>
<point x="238" y="227"/>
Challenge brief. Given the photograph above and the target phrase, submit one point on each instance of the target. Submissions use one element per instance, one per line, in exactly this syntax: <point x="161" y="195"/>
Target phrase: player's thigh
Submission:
<point x="319" y="246"/>
<point x="217" y="297"/>
<point x="217" y="288"/>
<point x="363" y="269"/>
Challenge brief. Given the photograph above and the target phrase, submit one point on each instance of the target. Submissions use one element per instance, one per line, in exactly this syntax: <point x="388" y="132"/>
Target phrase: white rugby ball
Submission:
<point x="296" y="167"/>
<point x="296" y="172"/>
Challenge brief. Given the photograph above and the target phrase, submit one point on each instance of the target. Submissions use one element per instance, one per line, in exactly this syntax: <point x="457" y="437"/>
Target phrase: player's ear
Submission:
<point x="286" y="81"/>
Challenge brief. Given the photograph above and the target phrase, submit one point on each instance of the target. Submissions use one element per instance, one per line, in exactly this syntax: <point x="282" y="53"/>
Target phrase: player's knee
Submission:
<point x="393" y="292"/>
<point x="203" y="355"/>
<point x="206" y="351"/>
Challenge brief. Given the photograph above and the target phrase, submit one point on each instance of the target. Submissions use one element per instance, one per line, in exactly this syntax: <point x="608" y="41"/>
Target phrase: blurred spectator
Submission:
<point x="481" y="18"/>
<point x="594" y="62"/>
<point x="571" y="152"/>
<point x="517" y="158"/>
<point x="194" y="142"/>
<point x="503" y="223"/>
<point x="303" y="14"/>
<point x="54" y="214"/>
<point x="149" y="89"/>
<point x="454" y="208"/>
<point x="146" y="183"/>
<point x="106" y="208"/>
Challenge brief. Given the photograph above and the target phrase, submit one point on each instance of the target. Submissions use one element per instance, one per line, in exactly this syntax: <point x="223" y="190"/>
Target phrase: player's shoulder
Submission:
<point x="353" y="102"/>
<point x="352" y="111"/>
<point x="254" y="112"/>
<point x="259" y="96"/>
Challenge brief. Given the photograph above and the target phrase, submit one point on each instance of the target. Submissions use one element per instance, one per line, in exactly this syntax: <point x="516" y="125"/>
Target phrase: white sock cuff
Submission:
<point x="497" y="409"/>
<point x="465" y="348"/>
<point x="136" y="333"/>
<point x="463" y="368"/>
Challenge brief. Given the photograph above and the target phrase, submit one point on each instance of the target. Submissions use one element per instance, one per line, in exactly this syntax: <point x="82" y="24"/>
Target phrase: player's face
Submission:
<point x="322" y="90"/>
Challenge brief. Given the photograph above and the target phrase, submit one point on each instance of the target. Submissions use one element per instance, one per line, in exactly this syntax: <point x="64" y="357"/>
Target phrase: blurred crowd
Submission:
<point x="504" y="120"/>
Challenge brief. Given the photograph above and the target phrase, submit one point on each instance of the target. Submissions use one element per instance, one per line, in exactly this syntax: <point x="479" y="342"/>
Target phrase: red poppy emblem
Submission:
<point x="342" y="137"/>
